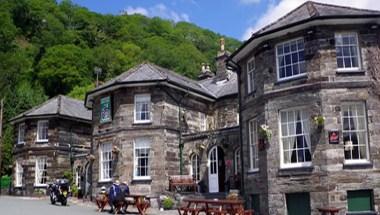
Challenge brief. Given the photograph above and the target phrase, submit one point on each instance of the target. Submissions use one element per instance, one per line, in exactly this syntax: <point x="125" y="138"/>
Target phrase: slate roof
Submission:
<point x="222" y="88"/>
<point x="61" y="106"/>
<point x="310" y="9"/>
<point x="148" y="72"/>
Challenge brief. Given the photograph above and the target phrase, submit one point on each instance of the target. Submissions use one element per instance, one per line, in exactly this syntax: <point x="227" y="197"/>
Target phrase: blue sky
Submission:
<point x="234" y="18"/>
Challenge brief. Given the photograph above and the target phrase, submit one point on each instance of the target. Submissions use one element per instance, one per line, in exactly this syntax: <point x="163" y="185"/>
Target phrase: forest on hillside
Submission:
<point x="49" y="48"/>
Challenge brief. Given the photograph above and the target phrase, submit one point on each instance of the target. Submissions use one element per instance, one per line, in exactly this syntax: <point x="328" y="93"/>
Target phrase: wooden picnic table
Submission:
<point x="142" y="202"/>
<point x="327" y="211"/>
<point x="213" y="206"/>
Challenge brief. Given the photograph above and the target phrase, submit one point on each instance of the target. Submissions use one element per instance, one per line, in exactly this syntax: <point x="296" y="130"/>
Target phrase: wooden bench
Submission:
<point x="182" y="183"/>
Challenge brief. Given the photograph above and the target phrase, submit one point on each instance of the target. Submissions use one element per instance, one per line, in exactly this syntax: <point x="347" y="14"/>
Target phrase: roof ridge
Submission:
<point x="313" y="12"/>
<point x="59" y="104"/>
<point x="33" y="108"/>
<point x="342" y="6"/>
<point x="283" y="17"/>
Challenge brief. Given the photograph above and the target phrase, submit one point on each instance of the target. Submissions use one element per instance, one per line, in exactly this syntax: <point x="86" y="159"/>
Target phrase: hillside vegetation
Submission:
<point x="49" y="48"/>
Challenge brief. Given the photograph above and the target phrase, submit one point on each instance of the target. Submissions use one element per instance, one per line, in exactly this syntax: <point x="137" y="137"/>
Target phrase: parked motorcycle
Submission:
<point x="59" y="191"/>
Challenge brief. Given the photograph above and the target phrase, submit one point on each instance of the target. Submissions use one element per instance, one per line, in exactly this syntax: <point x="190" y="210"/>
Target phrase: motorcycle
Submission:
<point x="59" y="191"/>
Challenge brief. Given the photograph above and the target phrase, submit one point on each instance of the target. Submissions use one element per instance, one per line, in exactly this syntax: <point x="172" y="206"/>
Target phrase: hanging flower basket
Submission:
<point x="265" y="135"/>
<point x="319" y="121"/>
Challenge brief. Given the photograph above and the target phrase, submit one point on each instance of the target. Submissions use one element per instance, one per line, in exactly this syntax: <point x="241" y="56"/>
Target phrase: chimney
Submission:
<point x="205" y="72"/>
<point x="221" y="68"/>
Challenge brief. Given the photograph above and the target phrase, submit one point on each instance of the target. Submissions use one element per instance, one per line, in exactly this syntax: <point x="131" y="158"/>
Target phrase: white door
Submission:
<point x="213" y="180"/>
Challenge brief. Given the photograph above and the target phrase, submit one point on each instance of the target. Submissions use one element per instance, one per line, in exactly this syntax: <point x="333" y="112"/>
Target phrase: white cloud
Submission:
<point x="249" y="1"/>
<point x="158" y="10"/>
<point x="276" y="11"/>
<point x="137" y="10"/>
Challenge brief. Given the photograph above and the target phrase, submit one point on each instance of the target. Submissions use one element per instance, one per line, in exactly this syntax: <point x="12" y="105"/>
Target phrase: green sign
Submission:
<point x="105" y="109"/>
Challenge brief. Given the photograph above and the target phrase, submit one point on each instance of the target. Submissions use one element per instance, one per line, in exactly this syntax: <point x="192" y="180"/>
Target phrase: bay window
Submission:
<point x="42" y="131"/>
<point x="21" y="133"/>
<point x="41" y="171"/>
<point x="142" y="108"/>
<point x="253" y="146"/>
<point x="290" y="59"/>
<point x="250" y="74"/>
<point x="142" y="158"/>
<point x="19" y="174"/>
<point x="105" y="154"/>
<point x="347" y="51"/>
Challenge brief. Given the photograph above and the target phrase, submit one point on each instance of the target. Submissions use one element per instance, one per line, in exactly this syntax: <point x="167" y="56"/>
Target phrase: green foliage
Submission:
<point x="50" y="47"/>
<point x="168" y="203"/>
<point x="5" y="181"/>
<point x="68" y="175"/>
<point x="74" y="190"/>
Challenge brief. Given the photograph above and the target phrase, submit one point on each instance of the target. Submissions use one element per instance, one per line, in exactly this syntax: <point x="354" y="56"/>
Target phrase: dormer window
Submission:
<point x="42" y="131"/>
<point x="142" y="108"/>
<point x="347" y="51"/>
<point x="290" y="59"/>
<point x="250" y="79"/>
<point x="21" y="133"/>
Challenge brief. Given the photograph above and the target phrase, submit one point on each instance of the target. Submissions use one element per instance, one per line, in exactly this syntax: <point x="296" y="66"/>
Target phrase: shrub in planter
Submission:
<point x="168" y="203"/>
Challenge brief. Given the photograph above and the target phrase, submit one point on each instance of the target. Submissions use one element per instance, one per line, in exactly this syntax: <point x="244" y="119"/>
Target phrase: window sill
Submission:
<point x="142" y="123"/>
<point x="42" y="141"/>
<point x="362" y="213"/>
<point x="301" y="77"/>
<point x="358" y="165"/>
<point x="40" y="185"/>
<point x="146" y="180"/>
<point x="350" y="72"/>
<point x="18" y="186"/>
<point x="252" y="172"/>
<point x="295" y="171"/>
<point x="105" y="181"/>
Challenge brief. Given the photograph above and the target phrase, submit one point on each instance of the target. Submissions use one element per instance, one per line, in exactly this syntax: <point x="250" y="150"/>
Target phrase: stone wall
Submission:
<point x="321" y="92"/>
<point x="61" y="133"/>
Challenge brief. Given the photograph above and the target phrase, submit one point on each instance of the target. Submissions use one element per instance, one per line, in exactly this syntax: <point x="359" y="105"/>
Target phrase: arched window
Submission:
<point x="195" y="166"/>
<point x="237" y="162"/>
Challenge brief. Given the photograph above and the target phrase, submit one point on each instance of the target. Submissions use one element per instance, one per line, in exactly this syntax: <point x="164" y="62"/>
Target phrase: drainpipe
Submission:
<point x="236" y="67"/>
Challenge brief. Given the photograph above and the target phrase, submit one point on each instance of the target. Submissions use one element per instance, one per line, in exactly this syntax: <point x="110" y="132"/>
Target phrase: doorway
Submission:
<point x="216" y="170"/>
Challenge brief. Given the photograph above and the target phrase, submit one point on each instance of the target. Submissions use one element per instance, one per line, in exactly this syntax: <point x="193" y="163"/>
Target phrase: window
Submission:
<point x="290" y="59"/>
<point x="19" y="174"/>
<point x="142" y="157"/>
<point x="253" y="146"/>
<point x="360" y="201"/>
<point x="250" y="74"/>
<point x="21" y="133"/>
<point x="295" y="138"/>
<point x="298" y="203"/>
<point x="142" y="108"/>
<point x="105" y="109"/>
<point x="354" y="132"/>
<point x="42" y="131"/>
<point x="203" y="123"/>
<point x="347" y="51"/>
<point x="195" y="167"/>
<point x="105" y="153"/>
<point x="41" y="172"/>
<point x="237" y="159"/>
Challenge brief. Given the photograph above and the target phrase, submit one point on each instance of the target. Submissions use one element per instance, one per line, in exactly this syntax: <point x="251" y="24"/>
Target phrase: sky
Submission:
<point x="233" y="18"/>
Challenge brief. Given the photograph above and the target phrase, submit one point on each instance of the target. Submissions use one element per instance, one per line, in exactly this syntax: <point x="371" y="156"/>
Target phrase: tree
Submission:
<point x="63" y="67"/>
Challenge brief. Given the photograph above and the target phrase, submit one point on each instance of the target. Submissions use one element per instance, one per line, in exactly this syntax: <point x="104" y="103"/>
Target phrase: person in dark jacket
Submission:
<point x="125" y="189"/>
<point x="113" y="194"/>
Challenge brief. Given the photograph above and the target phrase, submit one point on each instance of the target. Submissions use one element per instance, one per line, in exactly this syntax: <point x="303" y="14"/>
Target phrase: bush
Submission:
<point x="74" y="190"/>
<point x="5" y="181"/>
<point x="168" y="203"/>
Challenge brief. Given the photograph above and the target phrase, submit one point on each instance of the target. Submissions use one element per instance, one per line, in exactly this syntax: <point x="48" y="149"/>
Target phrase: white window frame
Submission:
<point x="349" y="69"/>
<point x="147" y="143"/>
<point x="103" y="149"/>
<point x="195" y="159"/>
<point x="284" y="165"/>
<point x="21" y="134"/>
<point x="19" y="174"/>
<point x="251" y="75"/>
<point x="365" y="132"/>
<point x="202" y="121"/>
<point x="39" y="173"/>
<point x="39" y="124"/>
<point x="237" y="160"/>
<point x="299" y="68"/>
<point x="142" y="98"/>
<point x="253" y="146"/>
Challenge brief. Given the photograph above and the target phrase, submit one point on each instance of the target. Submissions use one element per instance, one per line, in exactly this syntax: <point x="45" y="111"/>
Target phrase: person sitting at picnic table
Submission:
<point x="114" y="194"/>
<point x="127" y="200"/>
<point x="102" y="199"/>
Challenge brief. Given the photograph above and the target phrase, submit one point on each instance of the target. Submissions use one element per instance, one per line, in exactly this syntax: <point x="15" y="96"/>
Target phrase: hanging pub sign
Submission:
<point x="334" y="137"/>
<point x="105" y="109"/>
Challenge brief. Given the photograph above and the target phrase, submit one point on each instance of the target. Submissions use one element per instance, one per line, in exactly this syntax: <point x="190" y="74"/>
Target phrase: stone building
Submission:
<point x="150" y="123"/>
<point x="50" y="139"/>
<point x="310" y="111"/>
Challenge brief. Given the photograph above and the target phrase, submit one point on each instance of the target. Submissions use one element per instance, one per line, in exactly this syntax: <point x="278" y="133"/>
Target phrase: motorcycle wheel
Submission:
<point x="52" y="200"/>
<point x="64" y="202"/>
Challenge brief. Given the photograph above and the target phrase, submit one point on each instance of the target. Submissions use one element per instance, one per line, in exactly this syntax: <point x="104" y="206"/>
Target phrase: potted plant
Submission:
<point x="264" y="136"/>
